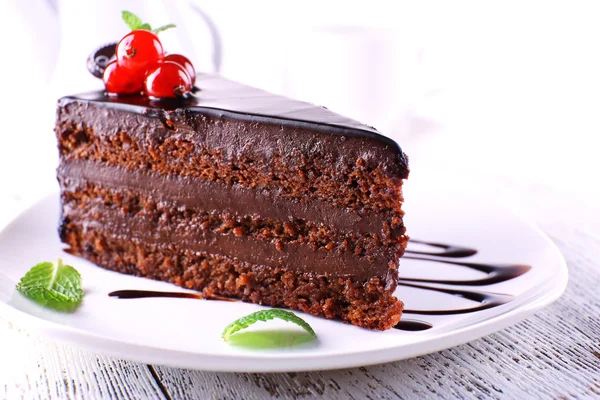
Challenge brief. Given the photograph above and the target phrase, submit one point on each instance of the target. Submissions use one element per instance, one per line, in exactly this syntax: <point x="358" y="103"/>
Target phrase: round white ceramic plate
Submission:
<point x="187" y="333"/>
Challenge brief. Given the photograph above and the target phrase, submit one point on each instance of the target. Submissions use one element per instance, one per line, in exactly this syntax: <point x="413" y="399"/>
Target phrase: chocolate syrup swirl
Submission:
<point x="448" y="250"/>
<point x="485" y="299"/>
<point x="143" y="294"/>
<point x="412" y="325"/>
<point x="496" y="273"/>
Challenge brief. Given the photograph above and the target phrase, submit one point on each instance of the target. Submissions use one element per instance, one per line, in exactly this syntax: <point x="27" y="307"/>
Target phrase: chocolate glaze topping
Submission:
<point x="215" y="93"/>
<point x="224" y="99"/>
<point x="218" y="93"/>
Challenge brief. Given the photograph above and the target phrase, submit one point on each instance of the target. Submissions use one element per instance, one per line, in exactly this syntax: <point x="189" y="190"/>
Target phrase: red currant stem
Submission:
<point x="179" y="91"/>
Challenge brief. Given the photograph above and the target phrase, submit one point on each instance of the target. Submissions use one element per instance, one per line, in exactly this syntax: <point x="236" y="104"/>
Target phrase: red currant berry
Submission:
<point x="138" y="52"/>
<point x="185" y="63"/>
<point x="117" y="80"/>
<point x="168" y="79"/>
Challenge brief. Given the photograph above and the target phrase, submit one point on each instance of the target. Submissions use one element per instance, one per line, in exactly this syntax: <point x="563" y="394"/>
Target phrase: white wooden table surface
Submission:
<point x="554" y="354"/>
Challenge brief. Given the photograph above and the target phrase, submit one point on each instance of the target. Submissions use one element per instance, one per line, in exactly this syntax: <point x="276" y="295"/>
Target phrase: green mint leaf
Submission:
<point x="266" y="315"/>
<point x="133" y="21"/>
<point x="54" y="285"/>
<point x="163" y="28"/>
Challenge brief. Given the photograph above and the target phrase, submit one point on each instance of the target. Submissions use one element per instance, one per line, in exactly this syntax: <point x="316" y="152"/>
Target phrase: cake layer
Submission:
<point x="235" y="199"/>
<point x="293" y="244"/>
<point x="366" y="303"/>
<point x="126" y="202"/>
<point x="348" y="172"/>
<point x="295" y="257"/>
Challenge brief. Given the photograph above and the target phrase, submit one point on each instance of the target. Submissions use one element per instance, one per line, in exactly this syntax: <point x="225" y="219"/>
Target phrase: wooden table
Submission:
<point x="554" y="354"/>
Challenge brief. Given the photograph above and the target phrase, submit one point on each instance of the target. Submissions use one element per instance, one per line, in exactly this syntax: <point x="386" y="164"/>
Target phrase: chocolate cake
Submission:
<point x="236" y="192"/>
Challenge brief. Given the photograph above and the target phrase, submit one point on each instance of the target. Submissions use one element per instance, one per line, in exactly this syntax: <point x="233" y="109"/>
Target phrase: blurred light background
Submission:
<point x="504" y="92"/>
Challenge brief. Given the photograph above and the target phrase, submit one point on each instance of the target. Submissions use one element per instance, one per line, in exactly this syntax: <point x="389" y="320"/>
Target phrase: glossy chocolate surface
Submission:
<point x="312" y="127"/>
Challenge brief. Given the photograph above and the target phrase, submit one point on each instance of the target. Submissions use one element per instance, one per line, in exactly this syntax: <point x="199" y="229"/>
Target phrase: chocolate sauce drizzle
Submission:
<point x="412" y="325"/>
<point x="496" y="273"/>
<point x="142" y="294"/>
<point x="448" y="250"/>
<point x="485" y="299"/>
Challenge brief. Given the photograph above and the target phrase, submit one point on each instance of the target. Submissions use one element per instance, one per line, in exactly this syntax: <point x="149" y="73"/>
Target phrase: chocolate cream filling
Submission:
<point x="196" y="193"/>
<point x="199" y="193"/>
<point x="296" y="257"/>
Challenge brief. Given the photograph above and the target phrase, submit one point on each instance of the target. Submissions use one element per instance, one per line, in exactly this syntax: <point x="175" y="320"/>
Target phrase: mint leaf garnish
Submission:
<point x="266" y="315"/>
<point x="133" y="21"/>
<point x="163" y="28"/>
<point x="54" y="285"/>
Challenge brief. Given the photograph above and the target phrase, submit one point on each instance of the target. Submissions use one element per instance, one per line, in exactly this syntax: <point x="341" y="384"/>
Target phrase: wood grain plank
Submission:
<point x="33" y="367"/>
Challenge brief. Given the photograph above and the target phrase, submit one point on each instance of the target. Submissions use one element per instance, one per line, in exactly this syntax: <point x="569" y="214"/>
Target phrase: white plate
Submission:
<point x="187" y="333"/>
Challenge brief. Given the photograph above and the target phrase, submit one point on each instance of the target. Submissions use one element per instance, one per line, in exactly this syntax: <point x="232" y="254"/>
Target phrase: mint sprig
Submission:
<point x="266" y="315"/>
<point x="134" y="22"/>
<point x="163" y="28"/>
<point x="52" y="284"/>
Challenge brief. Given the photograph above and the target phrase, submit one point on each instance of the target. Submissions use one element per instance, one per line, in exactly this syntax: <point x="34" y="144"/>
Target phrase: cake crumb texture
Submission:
<point x="369" y="304"/>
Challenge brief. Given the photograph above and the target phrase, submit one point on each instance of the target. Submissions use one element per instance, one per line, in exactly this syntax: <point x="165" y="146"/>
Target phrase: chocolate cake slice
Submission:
<point x="236" y="192"/>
